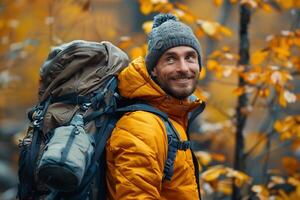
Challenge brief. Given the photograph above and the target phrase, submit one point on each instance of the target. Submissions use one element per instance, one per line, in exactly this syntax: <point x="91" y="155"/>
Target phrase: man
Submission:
<point x="138" y="148"/>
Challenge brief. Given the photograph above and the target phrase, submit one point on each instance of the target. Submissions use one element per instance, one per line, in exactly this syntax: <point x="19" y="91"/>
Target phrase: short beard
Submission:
<point x="168" y="91"/>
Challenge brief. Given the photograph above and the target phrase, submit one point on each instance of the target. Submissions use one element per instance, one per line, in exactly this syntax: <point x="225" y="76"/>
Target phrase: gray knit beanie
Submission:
<point x="167" y="32"/>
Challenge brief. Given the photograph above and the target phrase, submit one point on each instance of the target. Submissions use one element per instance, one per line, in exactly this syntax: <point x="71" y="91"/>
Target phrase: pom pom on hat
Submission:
<point x="161" y="18"/>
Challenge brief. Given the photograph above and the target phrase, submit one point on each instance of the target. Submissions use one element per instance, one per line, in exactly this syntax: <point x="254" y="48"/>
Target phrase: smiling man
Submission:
<point x="138" y="150"/>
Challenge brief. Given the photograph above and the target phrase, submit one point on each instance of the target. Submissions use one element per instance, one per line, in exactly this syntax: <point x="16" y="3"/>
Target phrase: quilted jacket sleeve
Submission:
<point x="136" y="153"/>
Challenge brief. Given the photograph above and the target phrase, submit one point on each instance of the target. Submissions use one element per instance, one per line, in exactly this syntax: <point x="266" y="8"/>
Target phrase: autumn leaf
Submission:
<point x="136" y="52"/>
<point x="218" y="2"/>
<point x="203" y="157"/>
<point x="261" y="191"/>
<point x="202" y="73"/>
<point x="239" y="91"/>
<point x="240" y="177"/>
<point x="147" y="26"/>
<point x="287" y="4"/>
<point x="210" y="28"/>
<point x="225" y="186"/>
<point x="125" y="42"/>
<point x="226" y="31"/>
<point x="213" y="173"/>
<point x="290" y="164"/>
<point x="266" y="7"/>
<point x="146" y="7"/>
<point x="259" y="56"/>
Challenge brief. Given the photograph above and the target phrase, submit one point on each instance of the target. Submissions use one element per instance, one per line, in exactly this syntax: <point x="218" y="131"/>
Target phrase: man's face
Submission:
<point x="177" y="71"/>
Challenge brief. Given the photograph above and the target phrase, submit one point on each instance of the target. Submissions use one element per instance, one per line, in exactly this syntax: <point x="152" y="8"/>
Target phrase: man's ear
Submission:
<point x="154" y="72"/>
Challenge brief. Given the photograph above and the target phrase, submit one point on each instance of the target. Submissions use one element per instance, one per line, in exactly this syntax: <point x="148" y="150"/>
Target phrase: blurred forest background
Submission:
<point x="250" y="81"/>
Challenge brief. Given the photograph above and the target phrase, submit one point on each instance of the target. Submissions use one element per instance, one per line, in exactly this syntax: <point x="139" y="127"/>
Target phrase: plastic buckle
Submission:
<point x="85" y="106"/>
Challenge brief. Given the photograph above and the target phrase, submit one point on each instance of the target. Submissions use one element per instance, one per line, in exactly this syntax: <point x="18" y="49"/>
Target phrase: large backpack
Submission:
<point x="63" y="153"/>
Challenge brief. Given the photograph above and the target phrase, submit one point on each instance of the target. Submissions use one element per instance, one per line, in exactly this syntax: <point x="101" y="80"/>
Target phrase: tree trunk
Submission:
<point x="239" y="161"/>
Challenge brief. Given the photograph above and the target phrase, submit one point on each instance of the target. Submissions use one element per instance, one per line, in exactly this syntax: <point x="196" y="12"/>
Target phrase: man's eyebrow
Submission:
<point x="170" y="53"/>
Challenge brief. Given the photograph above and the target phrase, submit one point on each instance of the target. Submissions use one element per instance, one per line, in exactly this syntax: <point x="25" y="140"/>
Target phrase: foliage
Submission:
<point x="28" y="32"/>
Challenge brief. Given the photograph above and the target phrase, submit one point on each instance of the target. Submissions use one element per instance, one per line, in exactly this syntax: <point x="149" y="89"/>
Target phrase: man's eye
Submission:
<point x="170" y="59"/>
<point x="191" y="58"/>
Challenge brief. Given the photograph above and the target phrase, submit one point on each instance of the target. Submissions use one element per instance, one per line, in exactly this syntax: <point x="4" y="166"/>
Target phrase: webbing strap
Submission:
<point x="67" y="148"/>
<point x="71" y="98"/>
<point x="194" y="114"/>
<point x="36" y="139"/>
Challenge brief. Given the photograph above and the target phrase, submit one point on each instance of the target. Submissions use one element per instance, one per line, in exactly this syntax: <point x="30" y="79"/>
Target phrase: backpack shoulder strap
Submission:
<point x="174" y="143"/>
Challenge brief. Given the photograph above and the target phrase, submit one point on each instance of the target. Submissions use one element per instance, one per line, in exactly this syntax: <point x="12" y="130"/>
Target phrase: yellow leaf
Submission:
<point x="163" y="7"/>
<point x="188" y="18"/>
<point x="199" y="32"/>
<point x="203" y="157"/>
<point x="264" y="92"/>
<point x="240" y="177"/>
<point x="218" y="2"/>
<point x="282" y="52"/>
<point x="136" y="52"/>
<point x="278" y="126"/>
<point x="266" y="7"/>
<point x="202" y="74"/>
<point x="181" y="6"/>
<point x="212" y="65"/>
<point x="147" y="26"/>
<point x="226" y="31"/>
<point x="293" y="181"/>
<point x="209" y="28"/>
<point x="282" y="100"/>
<point x="261" y="191"/>
<point x="213" y="173"/>
<point x="125" y="42"/>
<point x="287" y="4"/>
<point x="258" y="57"/>
<point x="225" y="187"/>
<point x="277" y="179"/>
<point x="239" y="91"/>
<point x="296" y="41"/>
<point x="146" y="7"/>
<point x="218" y="157"/>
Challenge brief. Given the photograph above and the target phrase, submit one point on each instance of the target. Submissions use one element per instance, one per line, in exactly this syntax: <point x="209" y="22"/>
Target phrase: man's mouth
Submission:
<point x="182" y="78"/>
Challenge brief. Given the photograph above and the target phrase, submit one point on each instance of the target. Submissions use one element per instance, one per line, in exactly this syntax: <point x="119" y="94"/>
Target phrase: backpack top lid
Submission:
<point x="79" y="66"/>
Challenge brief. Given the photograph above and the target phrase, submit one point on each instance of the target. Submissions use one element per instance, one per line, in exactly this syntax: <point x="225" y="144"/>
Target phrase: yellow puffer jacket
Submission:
<point x="137" y="149"/>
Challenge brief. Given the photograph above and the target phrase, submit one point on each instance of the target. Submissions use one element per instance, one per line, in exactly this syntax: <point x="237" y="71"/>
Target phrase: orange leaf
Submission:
<point x="287" y="4"/>
<point x="146" y="7"/>
<point x="258" y="57"/>
<point x="218" y="2"/>
<point x="203" y="157"/>
<point x="210" y="28"/>
<point x="226" y="31"/>
<point x="125" y="42"/>
<point x="136" y="52"/>
<point x="266" y="7"/>
<point x="239" y="91"/>
<point x="147" y="26"/>
<point x="213" y="173"/>
<point x="225" y="187"/>
<point x="290" y="164"/>
<point x="261" y="191"/>
<point x="202" y="74"/>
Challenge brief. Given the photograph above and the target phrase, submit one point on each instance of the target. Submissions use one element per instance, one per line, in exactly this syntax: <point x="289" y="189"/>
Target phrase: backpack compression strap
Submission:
<point x="174" y="143"/>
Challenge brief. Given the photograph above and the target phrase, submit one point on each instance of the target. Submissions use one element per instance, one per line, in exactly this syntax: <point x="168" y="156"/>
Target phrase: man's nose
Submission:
<point x="183" y="66"/>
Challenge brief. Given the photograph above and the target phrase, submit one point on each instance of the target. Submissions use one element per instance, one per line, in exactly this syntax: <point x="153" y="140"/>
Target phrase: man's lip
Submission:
<point x="182" y="78"/>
